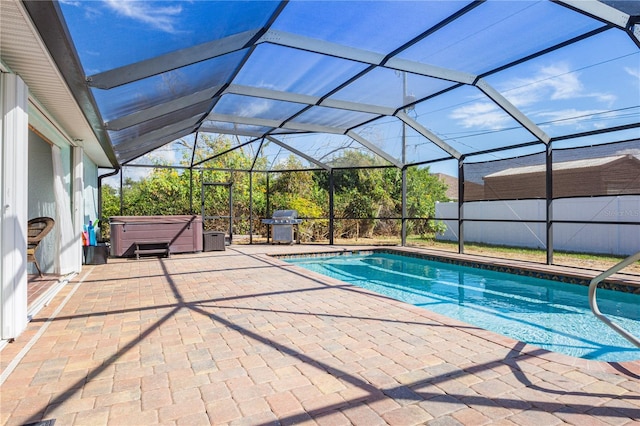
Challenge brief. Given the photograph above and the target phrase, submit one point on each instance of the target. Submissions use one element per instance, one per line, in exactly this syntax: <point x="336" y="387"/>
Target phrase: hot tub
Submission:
<point x="183" y="233"/>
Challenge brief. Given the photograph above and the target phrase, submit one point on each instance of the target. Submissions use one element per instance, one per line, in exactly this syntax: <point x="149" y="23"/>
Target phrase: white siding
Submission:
<point x="13" y="183"/>
<point x="607" y="239"/>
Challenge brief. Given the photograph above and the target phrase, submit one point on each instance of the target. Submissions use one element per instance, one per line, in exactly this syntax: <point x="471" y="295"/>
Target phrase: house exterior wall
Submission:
<point x="530" y="185"/>
<point x="616" y="178"/>
<point x="28" y="134"/>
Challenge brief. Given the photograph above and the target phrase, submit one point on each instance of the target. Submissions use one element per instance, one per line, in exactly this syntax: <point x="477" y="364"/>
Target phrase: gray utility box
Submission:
<point x="95" y="255"/>
<point x="213" y="241"/>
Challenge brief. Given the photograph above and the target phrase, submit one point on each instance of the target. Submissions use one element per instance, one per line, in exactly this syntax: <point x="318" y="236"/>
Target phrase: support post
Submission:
<point x="461" y="205"/>
<point x="121" y="194"/>
<point x="331" y="206"/>
<point x="251" y="207"/>
<point x="404" y="207"/>
<point x="230" y="213"/>
<point x="268" y="212"/>
<point x="204" y="228"/>
<point x="191" y="190"/>
<point x="403" y="222"/>
<point x="549" y="194"/>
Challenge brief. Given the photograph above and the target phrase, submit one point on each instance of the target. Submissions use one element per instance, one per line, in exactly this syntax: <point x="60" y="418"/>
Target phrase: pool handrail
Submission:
<point x="594" y="304"/>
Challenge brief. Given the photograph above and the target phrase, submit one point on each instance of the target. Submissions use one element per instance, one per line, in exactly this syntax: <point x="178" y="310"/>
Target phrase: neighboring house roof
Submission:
<point x="452" y="185"/>
<point x="24" y="53"/>
<point x="567" y="165"/>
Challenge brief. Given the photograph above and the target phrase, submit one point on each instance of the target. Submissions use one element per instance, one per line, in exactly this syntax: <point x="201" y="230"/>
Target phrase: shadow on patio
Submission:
<point x="236" y="337"/>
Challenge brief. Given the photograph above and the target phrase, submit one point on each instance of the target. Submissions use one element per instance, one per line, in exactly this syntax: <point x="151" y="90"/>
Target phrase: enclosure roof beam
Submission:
<point x="299" y="153"/>
<point x="187" y="125"/>
<point x="274" y="124"/>
<point x="309" y="44"/>
<point x="607" y="14"/>
<point x="171" y="61"/>
<point x="356" y="106"/>
<point x="514" y="112"/>
<point x="600" y="11"/>
<point x="295" y="41"/>
<point x="161" y="109"/>
<point x="430" y="70"/>
<point x="255" y="159"/>
<point x="220" y="154"/>
<point x="313" y="128"/>
<point x="364" y="142"/>
<point x="306" y="99"/>
<point x="276" y="95"/>
<point x="213" y="129"/>
<point x="429" y="135"/>
<point x="139" y="150"/>
<point x="251" y="121"/>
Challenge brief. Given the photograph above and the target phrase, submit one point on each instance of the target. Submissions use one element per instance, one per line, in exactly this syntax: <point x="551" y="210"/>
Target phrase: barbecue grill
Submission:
<point x="282" y="223"/>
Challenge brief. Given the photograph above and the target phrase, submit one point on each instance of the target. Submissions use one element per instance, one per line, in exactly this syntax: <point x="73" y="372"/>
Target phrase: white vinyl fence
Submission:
<point x="583" y="237"/>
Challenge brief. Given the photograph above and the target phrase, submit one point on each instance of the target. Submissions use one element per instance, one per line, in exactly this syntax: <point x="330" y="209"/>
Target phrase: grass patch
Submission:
<point x="580" y="260"/>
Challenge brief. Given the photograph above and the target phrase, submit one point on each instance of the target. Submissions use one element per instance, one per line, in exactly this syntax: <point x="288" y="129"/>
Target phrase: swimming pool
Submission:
<point x="545" y="313"/>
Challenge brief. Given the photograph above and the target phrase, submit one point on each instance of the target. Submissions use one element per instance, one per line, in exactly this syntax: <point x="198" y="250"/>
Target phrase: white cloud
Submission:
<point x="136" y="174"/>
<point x="165" y="156"/>
<point x="90" y="12"/>
<point x="570" y="117"/>
<point x="161" y="18"/>
<point x="254" y="108"/>
<point x="633" y="72"/>
<point x="554" y="82"/>
<point x="607" y="98"/>
<point x="480" y="114"/>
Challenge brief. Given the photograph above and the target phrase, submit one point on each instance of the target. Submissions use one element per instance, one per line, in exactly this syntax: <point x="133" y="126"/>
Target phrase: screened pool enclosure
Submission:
<point x="500" y="122"/>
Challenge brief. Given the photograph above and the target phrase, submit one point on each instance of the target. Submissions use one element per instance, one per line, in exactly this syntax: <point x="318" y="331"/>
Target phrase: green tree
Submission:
<point x="298" y="190"/>
<point x="423" y="190"/>
<point x="362" y="196"/>
<point x="110" y="207"/>
<point x="227" y="165"/>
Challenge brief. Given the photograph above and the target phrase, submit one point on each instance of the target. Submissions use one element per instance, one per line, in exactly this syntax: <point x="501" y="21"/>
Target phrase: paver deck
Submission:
<point x="239" y="338"/>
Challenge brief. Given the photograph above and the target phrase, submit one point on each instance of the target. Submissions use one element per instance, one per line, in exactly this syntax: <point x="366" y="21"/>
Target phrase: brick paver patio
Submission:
<point x="239" y="338"/>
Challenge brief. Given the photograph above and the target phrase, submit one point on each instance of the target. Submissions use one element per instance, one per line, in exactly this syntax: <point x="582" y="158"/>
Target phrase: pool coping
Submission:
<point x="568" y="275"/>
<point x="624" y="368"/>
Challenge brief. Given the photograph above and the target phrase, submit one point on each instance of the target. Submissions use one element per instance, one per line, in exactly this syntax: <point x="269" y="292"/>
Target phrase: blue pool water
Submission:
<point x="548" y="314"/>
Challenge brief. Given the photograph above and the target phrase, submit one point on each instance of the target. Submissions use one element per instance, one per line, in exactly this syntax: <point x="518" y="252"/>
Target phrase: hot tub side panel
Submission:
<point x="184" y="233"/>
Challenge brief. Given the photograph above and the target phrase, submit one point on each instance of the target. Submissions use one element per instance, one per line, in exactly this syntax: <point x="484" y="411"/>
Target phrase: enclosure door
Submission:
<point x="217" y="206"/>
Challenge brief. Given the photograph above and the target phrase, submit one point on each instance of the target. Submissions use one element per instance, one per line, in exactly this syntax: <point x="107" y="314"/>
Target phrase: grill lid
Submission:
<point x="283" y="217"/>
<point x="285" y="214"/>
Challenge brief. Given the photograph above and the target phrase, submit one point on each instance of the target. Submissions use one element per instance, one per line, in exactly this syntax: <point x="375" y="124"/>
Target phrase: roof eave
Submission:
<point x="49" y="23"/>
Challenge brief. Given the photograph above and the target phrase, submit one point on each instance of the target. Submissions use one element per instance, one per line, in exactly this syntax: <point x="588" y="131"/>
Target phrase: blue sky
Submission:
<point x="590" y="85"/>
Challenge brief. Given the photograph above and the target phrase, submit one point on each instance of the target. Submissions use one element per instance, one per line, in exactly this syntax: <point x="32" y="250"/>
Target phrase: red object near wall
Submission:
<point x="182" y="232"/>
